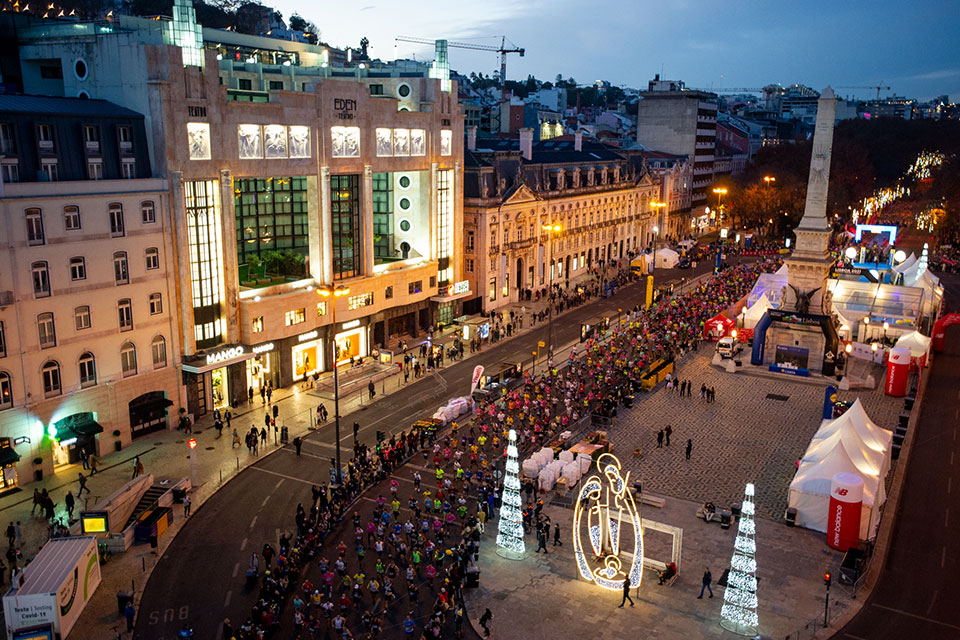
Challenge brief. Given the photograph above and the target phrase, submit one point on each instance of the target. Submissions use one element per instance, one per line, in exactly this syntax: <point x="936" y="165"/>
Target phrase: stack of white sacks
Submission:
<point x="547" y="470"/>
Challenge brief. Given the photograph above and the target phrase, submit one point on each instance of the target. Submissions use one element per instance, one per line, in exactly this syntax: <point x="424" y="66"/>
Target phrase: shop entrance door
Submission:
<point x="201" y="395"/>
<point x="148" y="413"/>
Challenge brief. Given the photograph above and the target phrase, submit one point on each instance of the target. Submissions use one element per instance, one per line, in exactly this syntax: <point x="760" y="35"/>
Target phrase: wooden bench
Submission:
<point x="653" y="500"/>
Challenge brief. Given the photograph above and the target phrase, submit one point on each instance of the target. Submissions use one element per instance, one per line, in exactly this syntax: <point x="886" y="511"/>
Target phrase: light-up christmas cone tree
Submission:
<point x="510" y="528"/>
<point x="739" y="612"/>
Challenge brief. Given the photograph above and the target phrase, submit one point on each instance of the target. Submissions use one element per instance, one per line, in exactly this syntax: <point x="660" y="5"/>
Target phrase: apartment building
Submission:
<point x="88" y="340"/>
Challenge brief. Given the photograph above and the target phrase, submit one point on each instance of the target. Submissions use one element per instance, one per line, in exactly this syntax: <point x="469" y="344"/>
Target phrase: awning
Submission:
<point x="79" y="424"/>
<point x="217" y="357"/>
<point x="8" y="456"/>
<point x="456" y="296"/>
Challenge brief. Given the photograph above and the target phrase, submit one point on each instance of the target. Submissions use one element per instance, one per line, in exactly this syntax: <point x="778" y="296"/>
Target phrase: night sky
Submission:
<point x="909" y="46"/>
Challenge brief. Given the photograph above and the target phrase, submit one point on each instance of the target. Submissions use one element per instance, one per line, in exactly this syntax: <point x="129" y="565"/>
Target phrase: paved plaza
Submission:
<point x="742" y="437"/>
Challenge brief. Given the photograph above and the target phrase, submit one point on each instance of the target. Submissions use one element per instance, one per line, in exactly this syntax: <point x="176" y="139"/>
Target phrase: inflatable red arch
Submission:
<point x="940" y="330"/>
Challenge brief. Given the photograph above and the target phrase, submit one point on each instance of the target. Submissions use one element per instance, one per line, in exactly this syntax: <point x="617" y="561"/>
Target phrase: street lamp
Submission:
<point x="769" y="179"/>
<point x="656" y="237"/>
<point x="720" y="191"/>
<point x="335" y="292"/>
<point x="550" y="229"/>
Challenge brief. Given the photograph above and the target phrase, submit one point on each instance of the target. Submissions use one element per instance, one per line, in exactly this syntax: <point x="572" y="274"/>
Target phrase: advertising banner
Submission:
<point x="898" y="371"/>
<point x="843" y="517"/>
<point x="475" y="378"/>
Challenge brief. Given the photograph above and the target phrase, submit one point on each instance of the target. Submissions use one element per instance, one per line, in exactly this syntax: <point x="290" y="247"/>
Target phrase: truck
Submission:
<point x="47" y="597"/>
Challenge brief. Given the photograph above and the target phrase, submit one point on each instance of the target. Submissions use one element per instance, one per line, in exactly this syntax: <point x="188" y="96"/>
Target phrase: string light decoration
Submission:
<point x="510" y="528"/>
<point x="739" y="611"/>
<point x="612" y="520"/>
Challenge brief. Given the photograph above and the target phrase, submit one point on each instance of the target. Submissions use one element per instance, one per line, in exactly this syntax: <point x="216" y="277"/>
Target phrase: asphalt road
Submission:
<point x="917" y="592"/>
<point x="200" y="577"/>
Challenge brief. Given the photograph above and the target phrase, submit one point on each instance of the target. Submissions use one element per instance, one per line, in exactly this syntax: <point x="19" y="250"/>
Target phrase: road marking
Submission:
<point x="274" y="473"/>
<point x="236" y="569"/>
<point x="943" y="557"/>
<point x="949" y="484"/>
<point x="309" y="455"/>
<point x="932" y="600"/>
<point x="226" y="601"/>
<point x="243" y="545"/>
<point x="849" y="635"/>
<point x="267" y="499"/>
<point x="279" y="482"/>
<point x="913" y="615"/>
<point x="254" y="521"/>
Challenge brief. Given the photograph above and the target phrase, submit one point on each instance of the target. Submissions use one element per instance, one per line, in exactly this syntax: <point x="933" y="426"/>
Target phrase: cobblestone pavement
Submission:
<point x="742" y="437"/>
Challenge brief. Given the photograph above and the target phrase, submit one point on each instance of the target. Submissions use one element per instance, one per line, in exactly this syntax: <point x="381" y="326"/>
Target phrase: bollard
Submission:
<point x="221" y="476"/>
<point x="143" y="564"/>
<point x="238" y="464"/>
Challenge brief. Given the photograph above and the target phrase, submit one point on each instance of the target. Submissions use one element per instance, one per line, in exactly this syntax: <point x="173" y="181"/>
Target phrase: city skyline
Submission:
<point x="750" y="45"/>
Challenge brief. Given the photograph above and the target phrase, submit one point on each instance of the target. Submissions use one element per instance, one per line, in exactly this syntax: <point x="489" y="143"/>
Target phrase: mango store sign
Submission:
<point x="225" y="354"/>
<point x="310" y="335"/>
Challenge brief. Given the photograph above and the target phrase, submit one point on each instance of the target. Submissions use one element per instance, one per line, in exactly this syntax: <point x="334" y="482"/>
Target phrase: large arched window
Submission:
<point x="128" y="359"/>
<point x="51" y="378"/>
<point x="88" y="370"/>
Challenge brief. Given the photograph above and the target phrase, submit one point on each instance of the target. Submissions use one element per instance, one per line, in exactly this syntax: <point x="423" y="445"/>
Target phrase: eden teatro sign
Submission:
<point x="344" y="108"/>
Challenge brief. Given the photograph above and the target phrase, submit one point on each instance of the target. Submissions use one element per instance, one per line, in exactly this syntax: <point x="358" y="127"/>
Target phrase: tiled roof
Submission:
<point x="21" y="103"/>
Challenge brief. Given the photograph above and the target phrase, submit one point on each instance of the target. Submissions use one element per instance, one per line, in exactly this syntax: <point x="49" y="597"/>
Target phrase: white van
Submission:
<point x="728" y="347"/>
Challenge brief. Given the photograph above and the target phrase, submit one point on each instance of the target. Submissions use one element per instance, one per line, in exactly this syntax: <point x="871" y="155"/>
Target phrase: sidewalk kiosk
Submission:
<point x="48" y="596"/>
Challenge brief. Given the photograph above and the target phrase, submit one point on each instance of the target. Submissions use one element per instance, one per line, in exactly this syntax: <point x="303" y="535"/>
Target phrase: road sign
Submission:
<point x="541" y="344"/>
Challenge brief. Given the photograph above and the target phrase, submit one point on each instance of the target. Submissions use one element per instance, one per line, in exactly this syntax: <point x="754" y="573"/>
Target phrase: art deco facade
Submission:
<point x="277" y="175"/>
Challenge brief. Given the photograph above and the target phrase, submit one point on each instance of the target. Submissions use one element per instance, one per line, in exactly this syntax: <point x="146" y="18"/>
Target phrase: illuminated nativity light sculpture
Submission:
<point x="510" y="528"/>
<point x="739" y="611"/>
<point x="606" y="511"/>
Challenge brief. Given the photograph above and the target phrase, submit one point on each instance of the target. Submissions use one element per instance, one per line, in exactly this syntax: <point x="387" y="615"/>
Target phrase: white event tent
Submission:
<point x="667" y="258"/>
<point x="851" y="443"/>
<point x="752" y="314"/>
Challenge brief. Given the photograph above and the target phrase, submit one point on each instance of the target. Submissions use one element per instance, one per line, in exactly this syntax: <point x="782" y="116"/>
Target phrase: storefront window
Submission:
<point x="306" y="359"/>
<point x="444" y="226"/>
<point x="218" y="384"/>
<point x="351" y="344"/>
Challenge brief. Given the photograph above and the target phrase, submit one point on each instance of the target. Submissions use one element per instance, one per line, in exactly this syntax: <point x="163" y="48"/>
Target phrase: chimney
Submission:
<point x="526" y="143"/>
<point x="578" y="141"/>
<point x="471" y="138"/>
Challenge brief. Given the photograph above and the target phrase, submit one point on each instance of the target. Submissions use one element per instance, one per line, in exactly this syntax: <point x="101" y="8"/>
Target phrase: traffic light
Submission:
<point x="381" y="436"/>
<point x="826" y="579"/>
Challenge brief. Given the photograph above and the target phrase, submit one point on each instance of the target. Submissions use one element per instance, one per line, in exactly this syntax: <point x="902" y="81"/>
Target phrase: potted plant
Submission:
<point x="38" y="472"/>
<point x="116" y="443"/>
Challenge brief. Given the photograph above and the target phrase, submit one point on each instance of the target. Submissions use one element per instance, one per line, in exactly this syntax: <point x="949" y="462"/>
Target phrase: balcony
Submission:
<point x="494" y="249"/>
<point x="93" y="147"/>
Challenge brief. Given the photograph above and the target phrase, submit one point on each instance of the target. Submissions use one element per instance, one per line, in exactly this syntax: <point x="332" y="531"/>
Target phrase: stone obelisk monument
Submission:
<point x="809" y="265"/>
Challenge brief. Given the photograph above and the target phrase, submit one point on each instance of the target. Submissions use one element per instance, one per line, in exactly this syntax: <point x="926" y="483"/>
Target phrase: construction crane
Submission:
<point x="502" y="50"/>
<point x="872" y="86"/>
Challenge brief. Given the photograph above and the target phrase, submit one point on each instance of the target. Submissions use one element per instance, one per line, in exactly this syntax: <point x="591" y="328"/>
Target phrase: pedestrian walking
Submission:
<point x="83" y="485"/>
<point x="84" y="459"/>
<point x="276" y="412"/>
<point x="36" y="501"/>
<point x="660" y="439"/>
<point x="186" y="505"/>
<point x="626" y="593"/>
<point x="18" y="532"/>
<point x="556" y="534"/>
<point x="93" y="463"/>
<point x="484" y="621"/>
<point x="705" y="583"/>
<point x="11" y="534"/>
<point x="541" y="540"/>
<point x="263" y="395"/>
<point x="137" y="467"/>
<point x="689" y="447"/>
<point x="269" y="393"/>
<point x="236" y="439"/>
<point x="70" y="502"/>
<point x="667" y="433"/>
<point x="297" y="443"/>
<point x="371" y="389"/>
<point x="129" y="612"/>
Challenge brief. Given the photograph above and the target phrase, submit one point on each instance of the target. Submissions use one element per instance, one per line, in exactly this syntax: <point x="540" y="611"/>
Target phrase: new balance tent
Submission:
<point x="851" y="443"/>
<point x="810" y="490"/>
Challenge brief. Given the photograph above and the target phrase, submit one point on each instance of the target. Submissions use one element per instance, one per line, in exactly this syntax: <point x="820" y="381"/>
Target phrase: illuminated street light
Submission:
<point x="336" y="292"/>
<point x="551" y="229"/>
